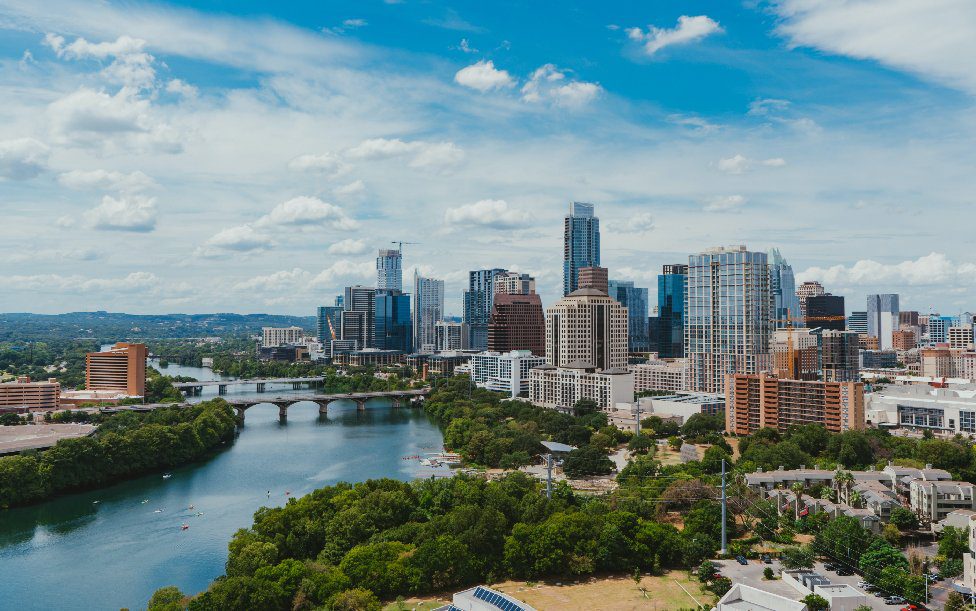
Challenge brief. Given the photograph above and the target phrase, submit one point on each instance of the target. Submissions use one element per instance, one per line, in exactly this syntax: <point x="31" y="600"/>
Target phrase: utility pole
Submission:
<point x="549" y="476"/>
<point x="638" y="419"/>
<point x="725" y="547"/>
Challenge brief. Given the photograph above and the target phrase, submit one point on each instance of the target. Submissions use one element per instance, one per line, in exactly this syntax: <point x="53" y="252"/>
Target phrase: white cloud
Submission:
<point x="934" y="40"/>
<point x="328" y="163"/>
<point x="483" y="76"/>
<point x="689" y="29"/>
<point x="106" y="179"/>
<point x="343" y="270"/>
<point x="465" y="47"/>
<point x="242" y="238"/>
<point x="352" y="189"/>
<point x="698" y="124"/>
<point x="349" y="246"/>
<point x="131" y="65"/>
<point x="725" y="203"/>
<point x="182" y="88"/>
<point x="126" y="213"/>
<point x="355" y="23"/>
<point x="493" y="213"/>
<point x="737" y="164"/>
<point x="766" y="106"/>
<point x="932" y="269"/>
<point x="641" y="222"/>
<point x="22" y="158"/>
<point x="94" y="118"/>
<point x="277" y="281"/>
<point x="76" y="283"/>
<point x="433" y="155"/>
<point x="304" y="211"/>
<point x="549" y="83"/>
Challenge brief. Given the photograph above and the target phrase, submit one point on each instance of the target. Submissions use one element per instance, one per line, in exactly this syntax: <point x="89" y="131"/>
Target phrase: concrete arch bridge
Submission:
<point x="399" y="398"/>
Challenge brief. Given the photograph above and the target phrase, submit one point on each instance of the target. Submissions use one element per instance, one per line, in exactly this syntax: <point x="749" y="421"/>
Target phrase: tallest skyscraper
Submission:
<point x="581" y="243"/>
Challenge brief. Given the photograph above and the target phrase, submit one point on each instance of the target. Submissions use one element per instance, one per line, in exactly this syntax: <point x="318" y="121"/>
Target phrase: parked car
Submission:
<point x="864" y="585"/>
<point x="844" y="572"/>
<point x="830" y="566"/>
<point x="741" y="560"/>
<point x="935" y="577"/>
<point x="894" y="600"/>
<point x="767" y="559"/>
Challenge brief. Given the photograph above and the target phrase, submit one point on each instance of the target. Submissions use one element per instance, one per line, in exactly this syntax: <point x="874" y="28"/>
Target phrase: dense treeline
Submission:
<point x="124" y="445"/>
<point x="190" y="352"/>
<point x="60" y="358"/>
<point x="384" y="538"/>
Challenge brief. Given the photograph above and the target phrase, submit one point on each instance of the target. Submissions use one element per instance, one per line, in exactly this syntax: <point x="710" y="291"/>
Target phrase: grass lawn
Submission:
<point x="415" y="604"/>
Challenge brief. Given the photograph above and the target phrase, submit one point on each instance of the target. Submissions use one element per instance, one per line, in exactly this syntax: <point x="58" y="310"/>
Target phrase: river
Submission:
<point x="109" y="548"/>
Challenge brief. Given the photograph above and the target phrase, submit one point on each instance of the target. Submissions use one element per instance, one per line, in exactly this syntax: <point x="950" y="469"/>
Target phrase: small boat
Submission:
<point x="158" y="511"/>
<point x="144" y="501"/>
<point x="199" y="513"/>
<point x="190" y="507"/>
<point x="95" y="502"/>
<point x="167" y="475"/>
<point x="185" y="527"/>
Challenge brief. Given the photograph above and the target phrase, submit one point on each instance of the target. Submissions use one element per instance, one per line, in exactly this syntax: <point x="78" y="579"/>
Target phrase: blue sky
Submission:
<point x="242" y="156"/>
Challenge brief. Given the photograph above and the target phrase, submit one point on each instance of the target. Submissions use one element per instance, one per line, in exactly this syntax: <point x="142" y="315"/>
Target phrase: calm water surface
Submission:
<point x="74" y="553"/>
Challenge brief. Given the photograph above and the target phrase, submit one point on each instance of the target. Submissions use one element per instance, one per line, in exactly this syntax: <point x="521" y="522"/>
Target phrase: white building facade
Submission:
<point x="504" y="372"/>
<point x="561" y="387"/>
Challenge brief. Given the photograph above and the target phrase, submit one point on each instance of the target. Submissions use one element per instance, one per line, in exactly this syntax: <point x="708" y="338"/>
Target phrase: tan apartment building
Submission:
<point x="25" y="395"/>
<point x="754" y="401"/>
<point x="121" y="368"/>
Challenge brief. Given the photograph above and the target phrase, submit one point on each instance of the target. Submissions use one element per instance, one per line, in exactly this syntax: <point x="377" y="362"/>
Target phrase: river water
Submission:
<point x="113" y="547"/>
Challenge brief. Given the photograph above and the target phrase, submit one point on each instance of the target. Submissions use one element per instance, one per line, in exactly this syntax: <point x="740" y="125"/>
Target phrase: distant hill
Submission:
<point x="113" y="326"/>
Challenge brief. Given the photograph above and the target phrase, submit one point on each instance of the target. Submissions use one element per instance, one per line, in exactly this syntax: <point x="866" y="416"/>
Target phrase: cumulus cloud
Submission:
<point x="275" y="282"/>
<point x="689" y="29"/>
<point x="242" y="238"/>
<point x="491" y="213"/>
<point x="88" y="117"/>
<point x="327" y="163"/>
<point x="341" y="271"/>
<point x="725" y="203"/>
<point x="126" y="213"/>
<point x="22" y="158"/>
<point x="483" y="76"/>
<point x="131" y="65"/>
<point x="932" y="269"/>
<point x="348" y="246"/>
<point x="106" y="179"/>
<point x="434" y="155"/>
<point x="641" y="222"/>
<point x="182" y="88"/>
<point x="549" y="83"/>
<point x="303" y="211"/>
<point x="738" y="164"/>
<point x="933" y="40"/>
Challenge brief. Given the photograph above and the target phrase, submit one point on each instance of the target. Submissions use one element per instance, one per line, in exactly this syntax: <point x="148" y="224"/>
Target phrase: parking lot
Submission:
<point x="751" y="574"/>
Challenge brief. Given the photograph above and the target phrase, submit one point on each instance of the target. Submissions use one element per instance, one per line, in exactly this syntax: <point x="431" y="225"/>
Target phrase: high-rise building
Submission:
<point x="393" y="330"/>
<point x="904" y="339"/>
<point x="25" y="395"/>
<point x="800" y="345"/>
<point x="960" y="336"/>
<point x="858" y="322"/>
<point x="939" y="328"/>
<point x="478" y="301"/>
<point x="514" y="283"/>
<point x="389" y="272"/>
<point x="428" y="308"/>
<point x="883" y="318"/>
<point x="820" y="309"/>
<point x="728" y="315"/>
<point x="517" y="322"/>
<point x="586" y="329"/>
<point x="450" y="336"/>
<point x="782" y="284"/>
<point x="122" y="367"/>
<point x="805" y="290"/>
<point x="506" y="372"/>
<point x="328" y="323"/>
<point x="908" y="317"/>
<point x="839" y="352"/>
<point x="671" y="307"/>
<point x="635" y="300"/>
<point x="359" y="315"/>
<point x="594" y="277"/>
<point x="581" y="243"/>
<point x="755" y="401"/>
<point x="272" y="337"/>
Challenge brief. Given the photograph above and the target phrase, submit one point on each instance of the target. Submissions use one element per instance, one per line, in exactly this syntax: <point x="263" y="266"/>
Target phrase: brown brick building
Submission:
<point x="754" y="401"/>
<point x="122" y="368"/>
<point x="24" y="395"/>
<point x="517" y="322"/>
<point x="594" y="278"/>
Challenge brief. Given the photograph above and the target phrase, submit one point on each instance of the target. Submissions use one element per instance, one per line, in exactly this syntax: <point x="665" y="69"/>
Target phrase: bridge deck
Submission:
<point x="240" y="382"/>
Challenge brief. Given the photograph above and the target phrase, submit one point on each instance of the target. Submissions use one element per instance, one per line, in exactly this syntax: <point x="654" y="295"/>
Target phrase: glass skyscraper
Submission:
<point x="671" y="311"/>
<point x="428" y="308"/>
<point x="581" y="243"/>
<point x="325" y="315"/>
<point x="782" y="284"/>
<point x="883" y="318"/>
<point x="728" y="316"/>
<point x="635" y="300"/>
<point x="392" y="321"/>
<point x="478" y="301"/>
<point x="389" y="274"/>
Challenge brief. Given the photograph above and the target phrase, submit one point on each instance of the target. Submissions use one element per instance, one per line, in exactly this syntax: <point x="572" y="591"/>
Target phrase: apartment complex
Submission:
<point x="805" y="291"/>
<point x="561" y="387"/>
<point x="428" y="308"/>
<point x="514" y="283"/>
<point x="450" y="336"/>
<point x="272" y="337"/>
<point x="504" y="372"/>
<point x="24" y="395"/>
<point x="754" y="401"/>
<point x="121" y="368"/>
<point x="673" y="375"/>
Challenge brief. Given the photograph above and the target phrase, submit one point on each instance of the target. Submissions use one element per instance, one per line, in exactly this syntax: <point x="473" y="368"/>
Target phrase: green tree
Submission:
<point x="797" y="558"/>
<point x="587" y="460"/>
<point x="168" y="598"/>
<point x="583" y="407"/>
<point x="879" y="555"/>
<point x="815" y="602"/>
<point x="640" y="444"/>
<point x="358" y="599"/>
<point x="904" y="519"/>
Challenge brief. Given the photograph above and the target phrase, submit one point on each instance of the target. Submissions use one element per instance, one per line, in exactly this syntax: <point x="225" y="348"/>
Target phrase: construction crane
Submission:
<point x="790" y="351"/>
<point x="400" y="244"/>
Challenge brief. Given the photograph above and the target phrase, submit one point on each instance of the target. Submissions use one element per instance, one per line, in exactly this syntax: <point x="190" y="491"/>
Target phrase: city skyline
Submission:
<point x="260" y="181"/>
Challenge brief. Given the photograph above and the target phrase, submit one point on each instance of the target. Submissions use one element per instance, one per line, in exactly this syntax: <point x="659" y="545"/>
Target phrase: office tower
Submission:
<point x="359" y="315"/>
<point x="450" y="336"/>
<point x="593" y="277"/>
<point x="328" y="323"/>
<point x="909" y="318"/>
<point x="514" y="283"/>
<point x="939" y="328"/>
<point x="858" y="322"/>
<point x="389" y="275"/>
<point x="819" y="308"/>
<point x="478" y="301"/>
<point x="786" y="304"/>
<point x="671" y="307"/>
<point x="581" y="243"/>
<point x="882" y="318"/>
<point x="960" y="336"/>
<point x="428" y="308"/>
<point x="728" y="315"/>
<point x="635" y="300"/>
<point x="755" y="401"/>
<point x="25" y="395"/>
<point x="839" y="352"/>
<point x="586" y="329"/>
<point x="392" y="321"/>
<point x="806" y="290"/>
<point x="517" y="322"/>
<point x="122" y="367"/>
<point x="279" y="336"/>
